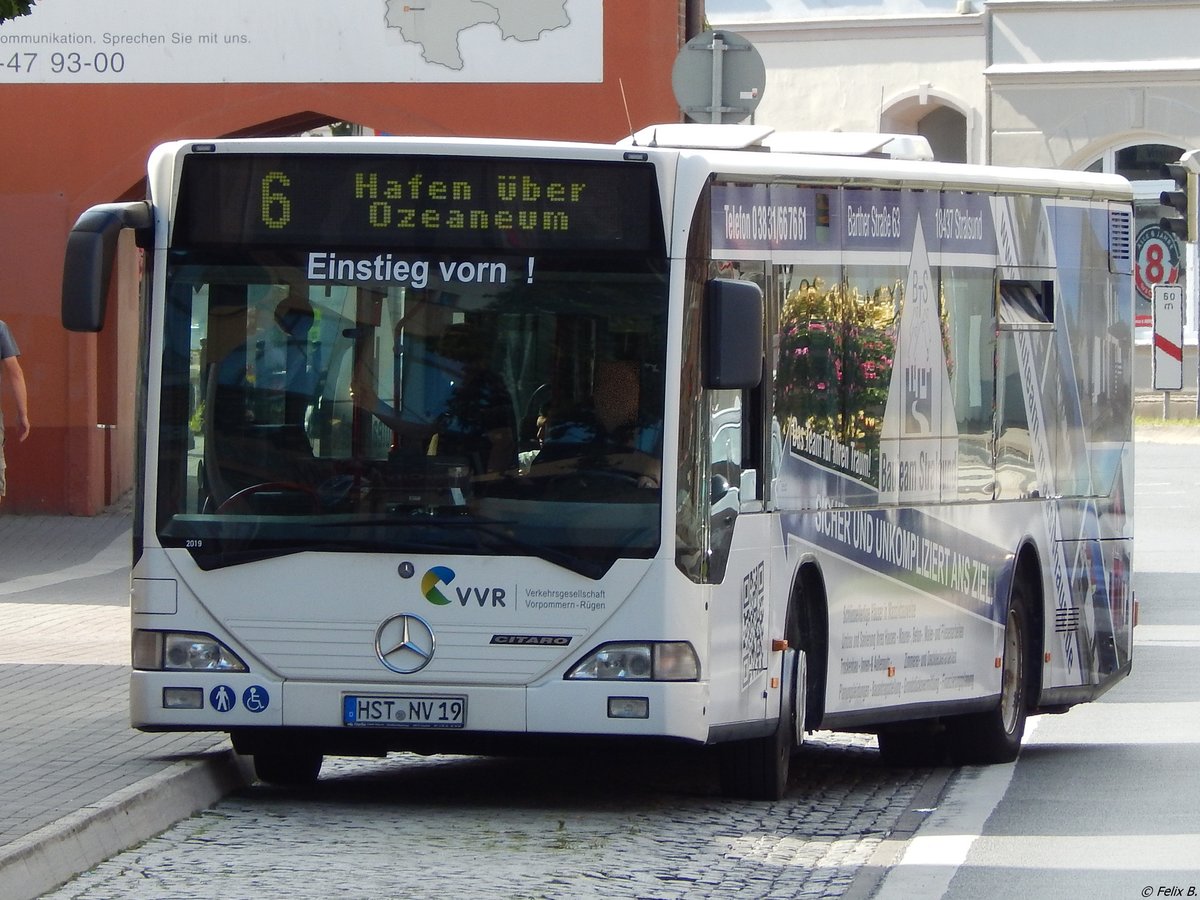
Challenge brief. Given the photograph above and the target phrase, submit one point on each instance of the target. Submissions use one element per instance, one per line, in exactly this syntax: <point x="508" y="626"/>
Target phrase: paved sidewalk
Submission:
<point x="79" y="784"/>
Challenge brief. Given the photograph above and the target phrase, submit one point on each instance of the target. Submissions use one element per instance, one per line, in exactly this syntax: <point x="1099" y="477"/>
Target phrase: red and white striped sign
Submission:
<point x="1168" y="337"/>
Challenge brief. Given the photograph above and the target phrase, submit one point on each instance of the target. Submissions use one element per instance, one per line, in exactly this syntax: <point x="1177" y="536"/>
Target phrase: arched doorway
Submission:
<point x="937" y="119"/>
<point x="1137" y="162"/>
<point x="946" y="131"/>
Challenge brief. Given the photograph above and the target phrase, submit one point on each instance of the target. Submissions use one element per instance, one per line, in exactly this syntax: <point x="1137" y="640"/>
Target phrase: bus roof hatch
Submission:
<point x="760" y="137"/>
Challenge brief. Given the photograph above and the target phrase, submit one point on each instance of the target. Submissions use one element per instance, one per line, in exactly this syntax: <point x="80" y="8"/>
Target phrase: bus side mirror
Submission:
<point x="733" y="334"/>
<point x="91" y="249"/>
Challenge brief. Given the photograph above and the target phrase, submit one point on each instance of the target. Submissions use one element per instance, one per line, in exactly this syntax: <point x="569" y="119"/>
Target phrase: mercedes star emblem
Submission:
<point x="405" y="644"/>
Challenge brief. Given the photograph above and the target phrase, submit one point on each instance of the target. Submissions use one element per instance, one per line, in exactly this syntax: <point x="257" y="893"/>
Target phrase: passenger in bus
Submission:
<point x="609" y="430"/>
<point x="526" y="457"/>
<point x="287" y="368"/>
<point x="476" y="422"/>
<point x="273" y="363"/>
<point x="256" y="400"/>
<point x="479" y="421"/>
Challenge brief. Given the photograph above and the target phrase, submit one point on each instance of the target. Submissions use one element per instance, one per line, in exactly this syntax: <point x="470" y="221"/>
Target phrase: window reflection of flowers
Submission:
<point x="836" y="350"/>
<point x="944" y="324"/>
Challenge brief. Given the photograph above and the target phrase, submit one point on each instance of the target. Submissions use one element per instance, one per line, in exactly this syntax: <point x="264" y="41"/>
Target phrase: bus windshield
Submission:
<point x="429" y="401"/>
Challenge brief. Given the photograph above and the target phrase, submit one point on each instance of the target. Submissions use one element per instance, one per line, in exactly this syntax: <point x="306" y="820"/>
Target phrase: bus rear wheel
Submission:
<point x="995" y="736"/>
<point x="298" y="769"/>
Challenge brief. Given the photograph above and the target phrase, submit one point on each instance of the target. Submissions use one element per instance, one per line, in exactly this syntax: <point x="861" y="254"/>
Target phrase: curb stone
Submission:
<point x="58" y="852"/>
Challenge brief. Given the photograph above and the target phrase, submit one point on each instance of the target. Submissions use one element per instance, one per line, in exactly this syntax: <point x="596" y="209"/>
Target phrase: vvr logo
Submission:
<point x="438" y="577"/>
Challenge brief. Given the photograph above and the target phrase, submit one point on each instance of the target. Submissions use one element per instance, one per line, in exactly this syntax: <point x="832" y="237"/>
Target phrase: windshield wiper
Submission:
<point x="209" y="558"/>
<point x="481" y="535"/>
<point x="487" y="534"/>
<point x="594" y="569"/>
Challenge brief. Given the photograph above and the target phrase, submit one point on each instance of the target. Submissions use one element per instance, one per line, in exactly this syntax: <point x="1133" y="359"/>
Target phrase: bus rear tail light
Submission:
<point x="638" y="661"/>
<point x="182" y="651"/>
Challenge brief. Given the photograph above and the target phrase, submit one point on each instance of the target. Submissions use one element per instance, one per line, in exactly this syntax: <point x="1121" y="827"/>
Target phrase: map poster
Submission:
<point x="305" y="41"/>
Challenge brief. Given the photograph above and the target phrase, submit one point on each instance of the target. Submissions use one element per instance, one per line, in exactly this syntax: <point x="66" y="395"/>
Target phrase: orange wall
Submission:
<point x="66" y="147"/>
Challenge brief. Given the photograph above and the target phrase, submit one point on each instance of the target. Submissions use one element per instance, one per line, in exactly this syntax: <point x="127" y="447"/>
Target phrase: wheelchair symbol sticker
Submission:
<point x="256" y="699"/>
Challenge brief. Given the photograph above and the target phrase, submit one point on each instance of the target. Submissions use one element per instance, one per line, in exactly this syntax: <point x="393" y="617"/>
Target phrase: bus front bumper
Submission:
<point x="173" y="701"/>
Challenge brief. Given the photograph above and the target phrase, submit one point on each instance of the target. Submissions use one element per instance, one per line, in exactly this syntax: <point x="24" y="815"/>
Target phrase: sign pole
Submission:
<point x="721" y="84"/>
<point x="718" y="88"/>
<point x="1168" y="341"/>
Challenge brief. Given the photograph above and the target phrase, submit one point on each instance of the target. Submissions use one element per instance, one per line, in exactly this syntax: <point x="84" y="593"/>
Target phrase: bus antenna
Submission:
<point x="625" y="101"/>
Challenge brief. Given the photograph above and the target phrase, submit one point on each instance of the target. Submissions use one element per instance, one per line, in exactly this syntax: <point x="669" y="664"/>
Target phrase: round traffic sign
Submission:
<point x="1157" y="260"/>
<point x="718" y="77"/>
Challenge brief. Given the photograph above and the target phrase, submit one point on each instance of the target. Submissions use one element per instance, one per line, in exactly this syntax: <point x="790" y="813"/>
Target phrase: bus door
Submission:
<point x="742" y="541"/>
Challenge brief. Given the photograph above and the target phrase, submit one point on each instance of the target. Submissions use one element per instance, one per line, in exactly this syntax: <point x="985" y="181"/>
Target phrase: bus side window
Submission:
<point x="725" y="475"/>
<point x="1015" y="476"/>
<point x="726" y="447"/>
<point x="1026" y="315"/>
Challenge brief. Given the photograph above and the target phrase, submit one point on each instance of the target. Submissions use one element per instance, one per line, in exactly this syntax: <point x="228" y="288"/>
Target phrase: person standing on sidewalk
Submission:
<point x="10" y="373"/>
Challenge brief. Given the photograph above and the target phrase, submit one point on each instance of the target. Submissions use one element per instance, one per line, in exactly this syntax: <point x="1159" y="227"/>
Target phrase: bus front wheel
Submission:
<point x="298" y="769"/>
<point x="758" y="768"/>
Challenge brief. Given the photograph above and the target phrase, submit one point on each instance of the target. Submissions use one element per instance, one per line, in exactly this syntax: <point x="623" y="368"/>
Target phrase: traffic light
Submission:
<point x="1183" y="199"/>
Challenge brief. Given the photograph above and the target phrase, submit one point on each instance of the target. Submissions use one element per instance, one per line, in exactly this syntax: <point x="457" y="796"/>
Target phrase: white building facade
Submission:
<point x="1106" y="85"/>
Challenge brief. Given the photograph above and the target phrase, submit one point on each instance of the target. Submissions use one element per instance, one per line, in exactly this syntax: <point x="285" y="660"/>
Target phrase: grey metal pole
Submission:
<point x="718" y="86"/>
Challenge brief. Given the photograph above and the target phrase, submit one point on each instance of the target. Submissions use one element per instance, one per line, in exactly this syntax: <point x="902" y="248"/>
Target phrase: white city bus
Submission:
<point x="715" y="436"/>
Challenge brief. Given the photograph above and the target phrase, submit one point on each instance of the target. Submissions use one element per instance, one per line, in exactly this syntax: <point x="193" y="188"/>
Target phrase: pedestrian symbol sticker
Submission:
<point x="222" y="698"/>
<point x="256" y="699"/>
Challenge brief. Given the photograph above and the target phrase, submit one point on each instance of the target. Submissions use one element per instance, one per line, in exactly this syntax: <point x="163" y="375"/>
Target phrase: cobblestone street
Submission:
<point x="442" y="827"/>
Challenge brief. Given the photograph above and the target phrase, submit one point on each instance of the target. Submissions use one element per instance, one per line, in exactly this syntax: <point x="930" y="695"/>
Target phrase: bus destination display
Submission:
<point x="417" y="201"/>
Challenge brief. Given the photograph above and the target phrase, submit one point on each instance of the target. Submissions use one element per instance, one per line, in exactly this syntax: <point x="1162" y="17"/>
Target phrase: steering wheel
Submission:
<point x="288" y="486"/>
<point x="594" y="483"/>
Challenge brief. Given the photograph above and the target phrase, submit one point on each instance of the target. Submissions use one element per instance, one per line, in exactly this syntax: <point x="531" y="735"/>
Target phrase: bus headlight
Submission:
<point x="182" y="651"/>
<point x="638" y="661"/>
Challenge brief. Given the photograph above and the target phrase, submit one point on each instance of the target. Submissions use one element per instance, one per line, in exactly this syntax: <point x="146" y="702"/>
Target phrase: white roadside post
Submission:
<point x="1168" y="341"/>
